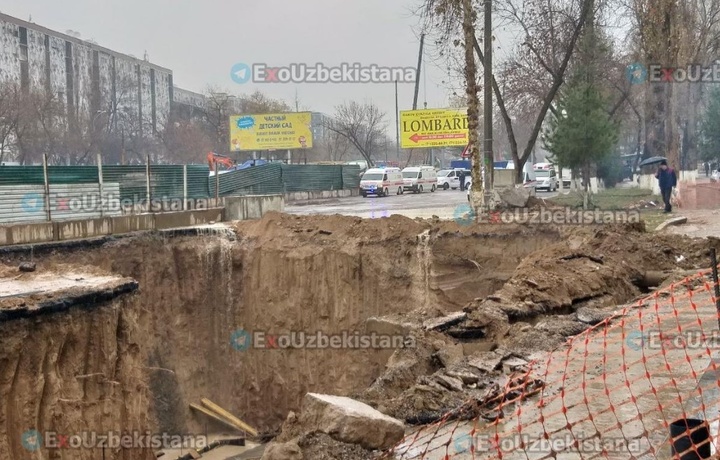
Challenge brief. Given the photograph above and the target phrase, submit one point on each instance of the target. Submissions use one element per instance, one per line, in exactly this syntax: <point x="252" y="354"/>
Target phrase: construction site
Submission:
<point x="453" y="341"/>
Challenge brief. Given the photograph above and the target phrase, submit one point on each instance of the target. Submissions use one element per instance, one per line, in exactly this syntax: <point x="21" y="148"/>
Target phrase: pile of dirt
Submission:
<point x="556" y="293"/>
<point x="538" y="203"/>
<point x="281" y="230"/>
<point x="594" y="267"/>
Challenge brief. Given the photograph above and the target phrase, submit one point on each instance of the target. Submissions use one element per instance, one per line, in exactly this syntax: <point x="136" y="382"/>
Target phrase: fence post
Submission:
<point x="185" y="197"/>
<point x="217" y="186"/>
<point x="147" y="183"/>
<point x="47" y="188"/>
<point x="100" y="183"/>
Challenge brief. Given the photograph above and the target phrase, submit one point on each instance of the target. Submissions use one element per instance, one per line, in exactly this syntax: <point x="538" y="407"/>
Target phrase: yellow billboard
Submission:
<point x="271" y="131"/>
<point x="433" y="128"/>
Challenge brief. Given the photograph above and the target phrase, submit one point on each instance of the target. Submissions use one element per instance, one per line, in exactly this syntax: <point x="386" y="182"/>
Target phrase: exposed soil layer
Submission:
<point x="139" y="361"/>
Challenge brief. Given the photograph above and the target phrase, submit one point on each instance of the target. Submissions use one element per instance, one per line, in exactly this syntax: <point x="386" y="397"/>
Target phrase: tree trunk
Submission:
<point x="660" y="37"/>
<point x="477" y="192"/>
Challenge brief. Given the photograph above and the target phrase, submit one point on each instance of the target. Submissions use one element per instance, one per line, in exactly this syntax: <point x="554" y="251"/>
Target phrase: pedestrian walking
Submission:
<point x="666" y="180"/>
<point x="461" y="175"/>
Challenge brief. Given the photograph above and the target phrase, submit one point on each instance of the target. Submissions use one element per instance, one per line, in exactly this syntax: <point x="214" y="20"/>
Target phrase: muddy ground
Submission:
<point x="139" y="361"/>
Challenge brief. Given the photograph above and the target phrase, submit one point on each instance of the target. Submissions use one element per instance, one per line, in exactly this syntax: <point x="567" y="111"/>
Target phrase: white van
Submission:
<point x="381" y="182"/>
<point x="419" y="178"/>
<point x="450" y="178"/>
<point x="546" y="177"/>
<point x="529" y="178"/>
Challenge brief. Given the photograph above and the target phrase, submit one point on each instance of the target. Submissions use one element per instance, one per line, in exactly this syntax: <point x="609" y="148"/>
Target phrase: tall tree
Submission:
<point x="659" y="27"/>
<point x="363" y="125"/>
<point x="710" y="129"/>
<point x="530" y="80"/>
<point x="582" y="134"/>
<point x="473" y="108"/>
<point x="446" y="16"/>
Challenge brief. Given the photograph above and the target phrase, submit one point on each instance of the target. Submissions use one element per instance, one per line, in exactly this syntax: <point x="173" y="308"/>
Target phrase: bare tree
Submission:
<point x="670" y="34"/>
<point x="40" y="128"/>
<point x="335" y="147"/>
<point x="186" y="140"/>
<point x="532" y="77"/>
<point x="220" y="105"/>
<point x="9" y="117"/>
<point x="257" y="103"/>
<point x="363" y="126"/>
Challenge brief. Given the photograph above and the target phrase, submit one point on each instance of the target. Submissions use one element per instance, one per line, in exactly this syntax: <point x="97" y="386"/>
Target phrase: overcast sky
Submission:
<point x="200" y="41"/>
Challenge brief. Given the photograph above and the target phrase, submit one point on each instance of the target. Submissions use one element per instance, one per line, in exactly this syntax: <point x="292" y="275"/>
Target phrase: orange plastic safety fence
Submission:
<point x="638" y="385"/>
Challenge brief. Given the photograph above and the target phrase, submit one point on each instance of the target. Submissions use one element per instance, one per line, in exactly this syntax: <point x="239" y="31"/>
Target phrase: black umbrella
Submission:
<point x="652" y="161"/>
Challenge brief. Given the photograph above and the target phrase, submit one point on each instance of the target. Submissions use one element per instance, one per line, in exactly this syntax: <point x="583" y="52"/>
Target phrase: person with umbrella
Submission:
<point x="667" y="180"/>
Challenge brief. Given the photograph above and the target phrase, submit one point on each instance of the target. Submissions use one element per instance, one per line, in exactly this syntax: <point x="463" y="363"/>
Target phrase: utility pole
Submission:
<point x="417" y="73"/>
<point x="417" y="84"/>
<point x="397" y="122"/>
<point x="489" y="181"/>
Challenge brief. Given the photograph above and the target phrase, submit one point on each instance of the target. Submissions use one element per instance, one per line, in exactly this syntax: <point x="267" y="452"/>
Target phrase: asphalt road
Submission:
<point x="442" y="203"/>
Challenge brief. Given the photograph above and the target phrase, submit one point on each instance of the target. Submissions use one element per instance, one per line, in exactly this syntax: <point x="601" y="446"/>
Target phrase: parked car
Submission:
<point x="447" y="179"/>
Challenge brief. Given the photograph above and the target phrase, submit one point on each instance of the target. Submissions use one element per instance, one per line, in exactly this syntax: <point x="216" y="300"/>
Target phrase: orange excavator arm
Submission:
<point x="214" y="158"/>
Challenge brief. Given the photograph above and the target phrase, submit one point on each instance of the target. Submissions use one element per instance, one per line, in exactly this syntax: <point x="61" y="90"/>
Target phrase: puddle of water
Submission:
<point x="50" y="282"/>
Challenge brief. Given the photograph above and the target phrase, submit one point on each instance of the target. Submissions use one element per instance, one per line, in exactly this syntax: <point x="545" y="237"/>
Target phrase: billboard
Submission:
<point x="271" y="131"/>
<point x="433" y="128"/>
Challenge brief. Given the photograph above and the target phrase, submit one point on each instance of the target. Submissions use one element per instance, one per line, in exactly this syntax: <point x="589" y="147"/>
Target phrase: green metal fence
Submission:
<point x="304" y="178"/>
<point x="351" y="177"/>
<point x="280" y="178"/>
<point x="34" y="175"/>
<point x="192" y="181"/>
<point x="256" y="180"/>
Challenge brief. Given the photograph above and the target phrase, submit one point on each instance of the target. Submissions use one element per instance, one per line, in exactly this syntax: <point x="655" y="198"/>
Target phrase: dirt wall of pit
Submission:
<point x="138" y="363"/>
<point x="78" y="372"/>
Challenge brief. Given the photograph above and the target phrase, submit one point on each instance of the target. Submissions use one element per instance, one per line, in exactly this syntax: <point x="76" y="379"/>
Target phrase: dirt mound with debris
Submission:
<point x="319" y="446"/>
<point x="595" y="267"/>
<point x="279" y="229"/>
<point x="556" y="293"/>
<point x="537" y="203"/>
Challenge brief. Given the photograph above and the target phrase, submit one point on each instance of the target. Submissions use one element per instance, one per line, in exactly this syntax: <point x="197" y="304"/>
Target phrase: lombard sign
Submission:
<point x="433" y="128"/>
<point x="271" y="131"/>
